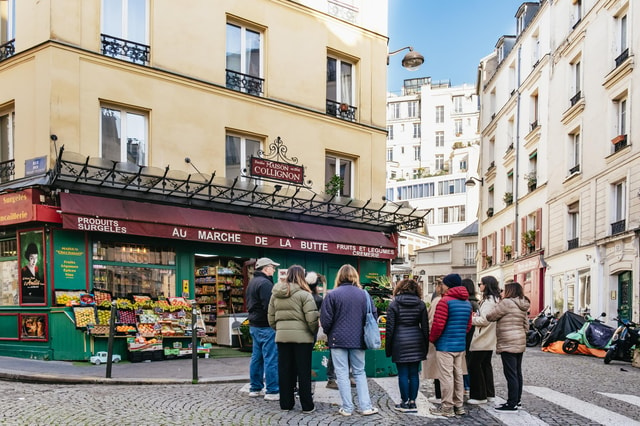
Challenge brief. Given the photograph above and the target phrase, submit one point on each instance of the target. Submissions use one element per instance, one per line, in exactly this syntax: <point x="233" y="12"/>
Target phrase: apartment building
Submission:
<point x="558" y="167"/>
<point x="145" y="145"/>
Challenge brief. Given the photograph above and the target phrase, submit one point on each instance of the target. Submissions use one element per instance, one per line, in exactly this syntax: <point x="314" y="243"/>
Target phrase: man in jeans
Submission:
<point x="264" y="358"/>
<point x="451" y="322"/>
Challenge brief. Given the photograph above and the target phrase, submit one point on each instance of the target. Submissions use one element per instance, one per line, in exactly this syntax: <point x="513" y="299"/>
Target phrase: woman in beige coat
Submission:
<point x="430" y="365"/>
<point x="483" y="344"/>
<point x="511" y="334"/>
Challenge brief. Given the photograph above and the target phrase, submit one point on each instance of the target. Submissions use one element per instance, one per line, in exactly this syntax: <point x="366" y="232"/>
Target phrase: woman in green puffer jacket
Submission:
<point x="294" y="316"/>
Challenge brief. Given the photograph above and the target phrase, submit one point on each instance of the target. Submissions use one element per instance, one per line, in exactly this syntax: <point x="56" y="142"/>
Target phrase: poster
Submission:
<point x="33" y="326"/>
<point x="32" y="270"/>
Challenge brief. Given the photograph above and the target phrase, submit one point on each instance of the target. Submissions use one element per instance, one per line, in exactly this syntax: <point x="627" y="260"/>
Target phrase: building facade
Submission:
<point x="135" y="162"/>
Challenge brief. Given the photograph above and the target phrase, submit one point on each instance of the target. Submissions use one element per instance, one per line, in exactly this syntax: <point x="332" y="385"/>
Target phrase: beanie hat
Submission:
<point x="452" y="280"/>
<point x="311" y="278"/>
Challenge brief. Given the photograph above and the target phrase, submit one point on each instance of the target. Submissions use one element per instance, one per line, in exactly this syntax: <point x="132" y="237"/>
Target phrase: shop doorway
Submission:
<point x="625" y="290"/>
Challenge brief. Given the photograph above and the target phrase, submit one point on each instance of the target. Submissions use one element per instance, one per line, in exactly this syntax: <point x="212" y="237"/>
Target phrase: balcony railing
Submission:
<point x="574" y="100"/>
<point x="7" y="170"/>
<point x="469" y="262"/>
<point x="125" y="49"/>
<point x="619" y="142"/>
<point x="341" y="110"/>
<point x="574" y="169"/>
<point x="622" y="57"/>
<point x="7" y="49"/>
<point x="343" y="10"/>
<point x="244" y="83"/>
<point x="534" y="125"/>
<point x="573" y="243"/>
<point x="618" y="227"/>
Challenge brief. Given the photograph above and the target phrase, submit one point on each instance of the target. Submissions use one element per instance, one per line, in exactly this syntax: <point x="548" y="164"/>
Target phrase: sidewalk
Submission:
<point x="176" y="371"/>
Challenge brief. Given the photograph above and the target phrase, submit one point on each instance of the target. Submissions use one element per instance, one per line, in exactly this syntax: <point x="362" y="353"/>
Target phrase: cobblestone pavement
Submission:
<point x="559" y="390"/>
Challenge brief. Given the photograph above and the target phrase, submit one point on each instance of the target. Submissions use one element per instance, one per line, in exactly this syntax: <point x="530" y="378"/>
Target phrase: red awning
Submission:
<point x="88" y="213"/>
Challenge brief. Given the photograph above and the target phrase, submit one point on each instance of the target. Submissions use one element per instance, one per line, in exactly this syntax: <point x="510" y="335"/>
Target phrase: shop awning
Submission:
<point x="98" y="214"/>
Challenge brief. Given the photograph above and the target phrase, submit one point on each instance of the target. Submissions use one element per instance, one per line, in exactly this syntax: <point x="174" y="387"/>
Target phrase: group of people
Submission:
<point x="454" y="336"/>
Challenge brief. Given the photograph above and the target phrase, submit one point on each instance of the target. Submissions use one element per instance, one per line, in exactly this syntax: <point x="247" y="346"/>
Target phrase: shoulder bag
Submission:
<point x="371" y="330"/>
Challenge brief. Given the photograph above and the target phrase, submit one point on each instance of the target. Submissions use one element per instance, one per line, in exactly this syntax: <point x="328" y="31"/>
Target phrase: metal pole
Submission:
<point x="194" y="344"/>
<point x="112" y="325"/>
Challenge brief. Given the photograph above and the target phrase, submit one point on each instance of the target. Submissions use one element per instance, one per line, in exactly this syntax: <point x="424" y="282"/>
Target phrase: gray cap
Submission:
<point x="265" y="261"/>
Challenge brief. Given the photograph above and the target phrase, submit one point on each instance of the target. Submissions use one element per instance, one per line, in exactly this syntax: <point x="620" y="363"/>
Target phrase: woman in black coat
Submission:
<point x="407" y="339"/>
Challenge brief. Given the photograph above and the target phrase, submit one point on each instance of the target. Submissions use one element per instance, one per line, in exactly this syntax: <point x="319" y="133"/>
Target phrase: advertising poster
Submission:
<point x="32" y="269"/>
<point x="33" y="327"/>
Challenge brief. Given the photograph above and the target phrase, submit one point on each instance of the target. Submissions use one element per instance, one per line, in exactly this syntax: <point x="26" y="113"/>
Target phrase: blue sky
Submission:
<point x="452" y="35"/>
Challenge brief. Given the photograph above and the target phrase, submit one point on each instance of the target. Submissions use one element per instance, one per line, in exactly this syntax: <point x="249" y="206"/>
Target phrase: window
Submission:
<point x="532" y="176"/>
<point x="440" y="114"/>
<point x="244" y="60"/>
<point x="412" y="109"/>
<point x="623" y="45"/>
<point x="470" y="251"/>
<point x="621" y="117"/>
<point x="340" y="87"/>
<point x="619" y="208"/>
<point x="6" y="135"/>
<point x="573" y="230"/>
<point x="9" y="271"/>
<point x="534" y="113"/>
<point x="574" y="153"/>
<point x="127" y="21"/>
<point x="7" y="21"/>
<point x="458" y="127"/>
<point x="577" y="12"/>
<point x="394" y="110"/>
<point x="439" y="161"/>
<point x="238" y="152"/>
<point x="124" y="135"/>
<point x="576" y="83"/>
<point x="439" y="139"/>
<point x="584" y="292"/>
<point x="390" y="133"/>
<point x="457" y="104"/>
<point x="416" y="152"/>
<point x="342" y="167"/>
<point x="416" y="131"/>
<point x="463" y="164"/>
<point x="389" y="154"/>
<point x="451" y="186"/>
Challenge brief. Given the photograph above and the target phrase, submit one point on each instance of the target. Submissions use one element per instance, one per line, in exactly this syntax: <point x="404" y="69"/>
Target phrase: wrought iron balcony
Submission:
<point x="7" y="49"/>
<point x="573" y="243"/>
<point x="534" y="125"/>
<point x="574" y="169"/>
<point x="622" y="57"/>
<point x="574" y="100"/>
<point x="618" y="227"/>
<point x="7" y="170"/>
<point x="469" y="262"/>
<point x="244" y="83"/>
<point x="341" y="110"/>
<point x="343" y="10"/>
<point x="619" y="142"/>
<point x="124" y="49"/>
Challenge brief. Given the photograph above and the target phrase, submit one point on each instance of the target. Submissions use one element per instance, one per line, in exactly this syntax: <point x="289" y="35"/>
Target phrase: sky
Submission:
<point x="452" y="35"/>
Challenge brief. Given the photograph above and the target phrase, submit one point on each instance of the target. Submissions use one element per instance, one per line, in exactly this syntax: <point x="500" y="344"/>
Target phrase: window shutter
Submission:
<point x="502" y="244"/>
<point x="538" y="229"/>
<point x="483" y="253"/>
<point x="494" y="248"/>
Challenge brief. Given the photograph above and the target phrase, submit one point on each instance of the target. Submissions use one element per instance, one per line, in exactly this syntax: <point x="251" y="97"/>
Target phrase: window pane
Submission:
<point x="9" y="289"/>
<point x="252" y="54"/>
<point x="136" y="23"/>
<point x="111" y="127"/>
<point x="136" y="139"/>
<point x="233" y="48"/>
<point x="345" y="83"/>
<point x="345" y="174"/>
<point x="5" y="137"/>
<point x="332" y="88"/>
<point x="112" y="18"/>
<point x="251" y="149"/>
<point x="232" y="157"/>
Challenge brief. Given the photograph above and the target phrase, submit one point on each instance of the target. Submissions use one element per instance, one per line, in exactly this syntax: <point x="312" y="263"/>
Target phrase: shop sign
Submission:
<point x="261" y="167"/>
<point x="69" y="260"/>
<point x="527" y="265"/>
<point x="16" y="207"/>
<point x="119" y="226"/>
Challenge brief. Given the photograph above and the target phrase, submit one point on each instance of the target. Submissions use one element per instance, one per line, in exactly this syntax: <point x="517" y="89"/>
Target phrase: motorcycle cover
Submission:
<point x="598" y="335"/>
<point x="567" y="323"/>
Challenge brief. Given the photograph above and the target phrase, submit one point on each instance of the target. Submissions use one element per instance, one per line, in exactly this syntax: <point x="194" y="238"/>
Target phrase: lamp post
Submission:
<point x="472" y="181"/>
<point x="411" y="60"/>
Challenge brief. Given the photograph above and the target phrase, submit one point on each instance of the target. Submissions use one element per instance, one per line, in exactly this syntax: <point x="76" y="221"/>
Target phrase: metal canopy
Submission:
<point x="91" y="175"/>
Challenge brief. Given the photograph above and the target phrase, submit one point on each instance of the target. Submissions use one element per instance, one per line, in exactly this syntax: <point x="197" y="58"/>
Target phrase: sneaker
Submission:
<point x="491" y="398"/>
<point x="370" y="411"/>
<point x="506" y="408"/>
<point x="477" y="401"/>
<point x="519" y="404"/>
<point x="403" y="406"/>
<point x="309" y="411"/>
<point x="441" y="411"/>
<point x="459" y="411"/>
<point x="353" y="382"/>
<point x="412" y="406"/>
<point x="272" y="397"/>
<point x="466" y="393"/>
<point x="435" y="400"/>
<point x="255" y="394"/>
<point x="331" y="384"/>
<point x="344" y="412"/>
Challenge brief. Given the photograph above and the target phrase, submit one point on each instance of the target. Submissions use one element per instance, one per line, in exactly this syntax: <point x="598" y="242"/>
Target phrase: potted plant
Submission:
<point x="507" y="251"/>
<point x="334" y="186"/>
<point x="532" y="180"/>
<point x="245" y="335"/>
<point x="489" y="260"/>
<point x="490" y="211"/>
<point x="508" y="198"/>
<point x="529" y="238"/>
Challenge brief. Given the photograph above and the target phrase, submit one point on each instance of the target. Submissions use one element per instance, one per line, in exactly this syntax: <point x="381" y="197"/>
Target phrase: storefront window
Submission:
<point x="8" y="272"/>
<point x="558" y="294"/>
<point x="584" y="292"/>
<point x="117" y="269"/>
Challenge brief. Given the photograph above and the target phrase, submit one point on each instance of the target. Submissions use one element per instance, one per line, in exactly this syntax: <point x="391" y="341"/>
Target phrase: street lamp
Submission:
<point x="411" y="60"/>
<point x="472" y="181"/>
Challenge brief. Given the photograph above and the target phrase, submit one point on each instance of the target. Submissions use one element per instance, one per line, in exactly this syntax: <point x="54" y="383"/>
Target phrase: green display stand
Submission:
<point x="319" y="361"/>
<point x="376" y="364"/>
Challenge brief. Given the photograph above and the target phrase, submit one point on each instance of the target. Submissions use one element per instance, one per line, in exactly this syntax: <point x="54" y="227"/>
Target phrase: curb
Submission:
<point x="15" y="376"/>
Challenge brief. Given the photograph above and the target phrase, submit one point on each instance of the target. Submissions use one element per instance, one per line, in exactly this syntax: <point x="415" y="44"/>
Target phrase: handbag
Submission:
<point x="371" y="330"/>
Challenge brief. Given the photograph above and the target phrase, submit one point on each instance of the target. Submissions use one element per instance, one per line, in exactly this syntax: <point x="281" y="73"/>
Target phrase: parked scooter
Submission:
<point x="593" y="334"/>
<point x="540" y="326"/>
<point x="624" y="341"/>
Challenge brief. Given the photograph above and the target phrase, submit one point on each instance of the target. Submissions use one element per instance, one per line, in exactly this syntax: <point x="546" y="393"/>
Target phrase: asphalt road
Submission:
<point x="559" y="390"/>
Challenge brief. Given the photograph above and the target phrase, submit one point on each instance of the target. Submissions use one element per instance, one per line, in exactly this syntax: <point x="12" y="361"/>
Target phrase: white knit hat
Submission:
<point x="311" y="278"/>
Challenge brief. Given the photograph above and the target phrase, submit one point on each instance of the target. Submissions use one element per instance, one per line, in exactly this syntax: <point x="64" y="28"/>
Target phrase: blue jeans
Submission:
<point x="341" y="359"/>
<point x="264" y="360"/>
<point x="408" y="380"/>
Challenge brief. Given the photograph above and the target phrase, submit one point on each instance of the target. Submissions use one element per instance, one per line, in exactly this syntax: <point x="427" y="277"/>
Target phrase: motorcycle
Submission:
<point x="624" y="341"/>
<point x="540" y="326"/>
<point x="593" y="334"/>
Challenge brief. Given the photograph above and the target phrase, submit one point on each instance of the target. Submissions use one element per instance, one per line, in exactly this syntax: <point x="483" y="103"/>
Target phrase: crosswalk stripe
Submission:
<point x="517" y="418"/>
<point x="584" y="409"/>
<point x="631" y="399"/>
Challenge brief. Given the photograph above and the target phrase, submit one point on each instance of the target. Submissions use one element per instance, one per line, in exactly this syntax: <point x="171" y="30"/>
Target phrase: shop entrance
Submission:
<point x="625" y="290"/>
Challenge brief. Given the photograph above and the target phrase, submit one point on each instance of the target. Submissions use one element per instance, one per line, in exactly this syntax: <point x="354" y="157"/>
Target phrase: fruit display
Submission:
<point x="84" y="316"/>
<point x="148" y="317"/>
<point x="146" y="329"/>
<point x="126" y="329"/>
<point x="104" y="315"/>
<point x="102" y="296"/>
<point x="126" y="316"/>
<point x="87" y="299"/>
<point x="67" y="298"/>
<point x="179" y="301"/>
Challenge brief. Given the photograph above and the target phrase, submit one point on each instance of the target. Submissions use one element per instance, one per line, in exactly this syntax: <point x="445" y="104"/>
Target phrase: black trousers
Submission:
<point x="294" y="365"/>
<point x="512" y="365"/>
<point x="480" y="375"/>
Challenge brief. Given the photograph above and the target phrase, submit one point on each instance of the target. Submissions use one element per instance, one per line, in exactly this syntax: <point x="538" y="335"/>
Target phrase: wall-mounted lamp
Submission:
<point x="188" y="161"/>
<point x="411" y="60"/>
<point x="472" y="181"/>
